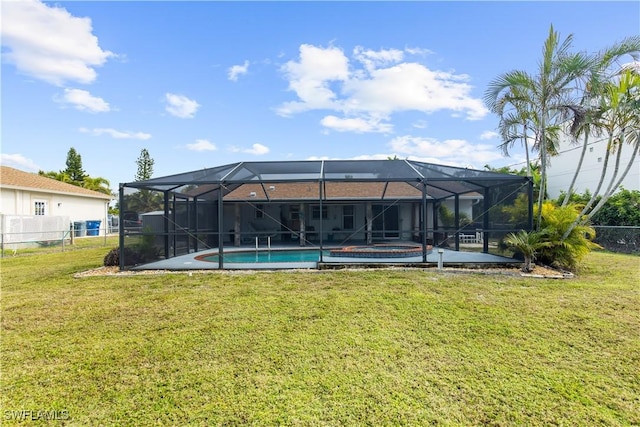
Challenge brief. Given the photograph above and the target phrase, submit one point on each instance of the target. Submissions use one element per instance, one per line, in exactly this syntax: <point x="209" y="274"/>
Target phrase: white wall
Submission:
<point x="562" y="168"/>
<point x="22" y="202"/>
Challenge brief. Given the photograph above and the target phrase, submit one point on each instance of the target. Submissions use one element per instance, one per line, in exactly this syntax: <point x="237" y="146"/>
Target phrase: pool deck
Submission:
<point x="449" y="258"/>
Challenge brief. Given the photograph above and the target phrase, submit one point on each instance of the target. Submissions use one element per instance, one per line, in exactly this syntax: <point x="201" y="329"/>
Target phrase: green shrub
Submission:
<point x="131" y="257"/>
<point x="568" y="253"/>
<point x="527" y="244"/>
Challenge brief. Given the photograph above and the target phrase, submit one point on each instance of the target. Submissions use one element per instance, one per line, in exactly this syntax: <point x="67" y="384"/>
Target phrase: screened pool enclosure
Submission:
<point x="334" y="206"/>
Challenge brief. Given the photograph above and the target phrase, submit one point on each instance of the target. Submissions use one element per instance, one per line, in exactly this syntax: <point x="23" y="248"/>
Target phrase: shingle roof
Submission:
<point x="14" y="178"/>
<point x="333" y="190"/>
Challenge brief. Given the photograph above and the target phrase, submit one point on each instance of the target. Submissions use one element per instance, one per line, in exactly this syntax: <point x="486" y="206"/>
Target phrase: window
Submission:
<point x="40" y="207"/>
<point x="348" y="217"/>
<point x="259" y="211"/>
<point x="315" y="212"/>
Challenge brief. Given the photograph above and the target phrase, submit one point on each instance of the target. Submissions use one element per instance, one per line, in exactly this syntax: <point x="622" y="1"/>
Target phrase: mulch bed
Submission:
<point x="540" y="272"/>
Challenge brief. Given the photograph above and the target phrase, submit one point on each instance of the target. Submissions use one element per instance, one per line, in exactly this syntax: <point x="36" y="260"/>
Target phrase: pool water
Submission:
<point x="266" y="256"/>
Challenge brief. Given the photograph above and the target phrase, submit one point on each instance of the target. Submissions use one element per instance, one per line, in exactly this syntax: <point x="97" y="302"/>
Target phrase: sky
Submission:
<point x="202" y="84"/>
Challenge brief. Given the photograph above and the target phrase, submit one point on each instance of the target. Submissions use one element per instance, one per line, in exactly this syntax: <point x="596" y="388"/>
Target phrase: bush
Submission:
<point x="112" y="259"/>
<point x="622" y="209"/>
<point x="568" y="253"/>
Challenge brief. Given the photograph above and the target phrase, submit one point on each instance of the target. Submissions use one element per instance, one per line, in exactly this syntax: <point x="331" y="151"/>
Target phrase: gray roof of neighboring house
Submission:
<point x="21" y="180"/>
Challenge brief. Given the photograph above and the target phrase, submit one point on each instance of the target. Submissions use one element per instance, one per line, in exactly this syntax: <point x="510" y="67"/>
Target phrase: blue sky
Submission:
<point x="201" y="84"/>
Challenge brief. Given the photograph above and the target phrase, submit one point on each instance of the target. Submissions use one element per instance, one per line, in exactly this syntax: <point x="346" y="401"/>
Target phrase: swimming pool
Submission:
<point x="274" y="256"/>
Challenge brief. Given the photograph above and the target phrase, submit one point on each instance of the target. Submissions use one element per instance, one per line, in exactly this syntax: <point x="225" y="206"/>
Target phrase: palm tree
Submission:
<point x="98" y="184"/>
<point x="58" y="176"/>
<point x="620" y="104"/>
<point x="540" y="98"/>
<point x="515" y="123"/>
<point x="528" y="244"/>
<point x="587" y="117"/>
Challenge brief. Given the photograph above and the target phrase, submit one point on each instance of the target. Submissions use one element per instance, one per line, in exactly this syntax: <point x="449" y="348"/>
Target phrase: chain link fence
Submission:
<point x="618" y="239"/>
<point x="22" y="235"/>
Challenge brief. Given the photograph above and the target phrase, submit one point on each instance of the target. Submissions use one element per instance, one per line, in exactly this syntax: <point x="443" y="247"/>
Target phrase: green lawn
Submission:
<point x="374" y="347"/>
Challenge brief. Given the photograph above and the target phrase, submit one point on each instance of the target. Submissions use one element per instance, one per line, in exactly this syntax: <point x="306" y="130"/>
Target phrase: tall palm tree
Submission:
<point x="621" y="120"/>
<point x="587" y="117"/>
<point x="541" y="98"/>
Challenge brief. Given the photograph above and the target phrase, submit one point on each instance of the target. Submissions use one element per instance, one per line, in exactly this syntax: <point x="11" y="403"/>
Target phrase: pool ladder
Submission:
<point x="268" y="244"/>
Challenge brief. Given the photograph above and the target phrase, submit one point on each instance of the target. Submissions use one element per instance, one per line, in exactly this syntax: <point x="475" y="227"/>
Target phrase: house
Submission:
<point x="562" y="167"/>
<point x="325" y="203"/>
<point x="31" y="203"/>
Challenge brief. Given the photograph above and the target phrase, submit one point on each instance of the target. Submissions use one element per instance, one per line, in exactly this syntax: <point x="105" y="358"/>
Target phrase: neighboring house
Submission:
<point x="562" y="168"/>
<point x="45" y="202"/>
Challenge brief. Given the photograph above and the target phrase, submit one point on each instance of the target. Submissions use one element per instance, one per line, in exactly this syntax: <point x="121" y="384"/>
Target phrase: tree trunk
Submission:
<point x="616" y="186"/>
<point x="526" y="150"/>
<point x="542" y="147"/>
<point x="567" y="196"/>
<point x="594" y="196"/>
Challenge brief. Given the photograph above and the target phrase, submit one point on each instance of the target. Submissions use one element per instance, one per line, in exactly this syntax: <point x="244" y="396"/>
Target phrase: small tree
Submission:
<point x="144" y="200"/>
<point x="528" y="244"/>
<point x="145" y="166"/>
<point x="75" y="174"/>
<point x="74" y="167"/>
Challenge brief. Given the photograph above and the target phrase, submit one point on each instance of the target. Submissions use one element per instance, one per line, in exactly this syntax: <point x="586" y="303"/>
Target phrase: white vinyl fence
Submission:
<point x="27" y="231"/>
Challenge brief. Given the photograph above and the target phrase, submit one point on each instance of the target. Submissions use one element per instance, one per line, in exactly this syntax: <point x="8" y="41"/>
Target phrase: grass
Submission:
<point x="80" y="243"/>
<point x="373" y="347"/>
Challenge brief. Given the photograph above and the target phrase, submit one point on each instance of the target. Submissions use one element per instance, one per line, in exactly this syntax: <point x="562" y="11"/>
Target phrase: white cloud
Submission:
<point x="82" y="100"/>
<point x="202" y="145"/>
<point x="373" y="59"/>
<point x="488" y="134"/>
<point x="18" y="161"/>
<point x="456" y="152"/>
<point x="50" y="44"/>
<point x="256" y="150"/>
<point x="116" y="134"/>
<point x="418" y="51"/>
<point x="310" y="77"/>
<point x="412" y="86"/>
<point x="358" y="125"/>
<point x="181" y="106"/>
<point x="325" y="79"/>
<point x="238" y="70"/>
